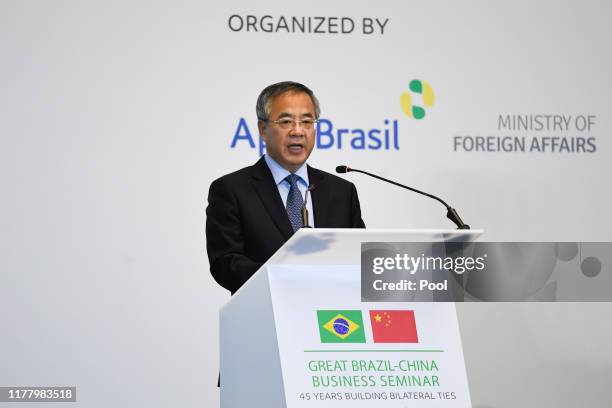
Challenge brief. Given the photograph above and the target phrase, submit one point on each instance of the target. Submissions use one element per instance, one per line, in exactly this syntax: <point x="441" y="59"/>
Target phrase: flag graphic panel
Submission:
<point x="341" y="326"/>
<point x="393" y="326"/>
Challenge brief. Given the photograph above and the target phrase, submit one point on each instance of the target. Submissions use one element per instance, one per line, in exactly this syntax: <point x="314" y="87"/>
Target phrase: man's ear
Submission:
<point x="261" y="125"/>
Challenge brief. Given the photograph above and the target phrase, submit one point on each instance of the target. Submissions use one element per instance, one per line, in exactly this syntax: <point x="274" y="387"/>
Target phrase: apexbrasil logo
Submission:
<point x="383" y="136"/>
<point x="346" y="326"/>
<point x="418" y="87"/>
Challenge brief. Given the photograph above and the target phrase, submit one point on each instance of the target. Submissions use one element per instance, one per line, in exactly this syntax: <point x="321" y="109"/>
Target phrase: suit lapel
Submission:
<point x="266" y="189"/>
<point x="320" y="197"/>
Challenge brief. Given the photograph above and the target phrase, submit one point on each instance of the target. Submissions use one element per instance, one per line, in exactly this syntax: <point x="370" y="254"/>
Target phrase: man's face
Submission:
<point x="289" y="147"/>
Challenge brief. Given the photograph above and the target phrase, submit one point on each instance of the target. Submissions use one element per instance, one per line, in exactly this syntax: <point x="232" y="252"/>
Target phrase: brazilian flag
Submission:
<point x="341" y="326"/>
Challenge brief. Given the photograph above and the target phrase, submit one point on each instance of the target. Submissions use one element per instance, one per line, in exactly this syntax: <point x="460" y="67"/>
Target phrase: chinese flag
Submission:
<point x="393" y="326"/>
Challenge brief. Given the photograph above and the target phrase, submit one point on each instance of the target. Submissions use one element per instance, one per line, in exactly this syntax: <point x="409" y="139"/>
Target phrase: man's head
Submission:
<point x="287" y="114"/>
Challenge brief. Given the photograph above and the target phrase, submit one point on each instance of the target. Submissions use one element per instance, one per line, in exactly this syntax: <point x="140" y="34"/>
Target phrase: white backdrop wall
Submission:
<point x="116" y="116"/>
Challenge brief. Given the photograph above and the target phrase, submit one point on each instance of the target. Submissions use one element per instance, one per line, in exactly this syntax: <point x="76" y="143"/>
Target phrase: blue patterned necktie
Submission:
<point x="295" y="202"/>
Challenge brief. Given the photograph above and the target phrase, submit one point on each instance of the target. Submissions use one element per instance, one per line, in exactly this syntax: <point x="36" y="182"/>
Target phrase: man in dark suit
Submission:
<point x="252" y="212"/>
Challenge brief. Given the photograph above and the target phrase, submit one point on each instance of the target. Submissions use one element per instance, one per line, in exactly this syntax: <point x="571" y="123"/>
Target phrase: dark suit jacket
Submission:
<point x="246" y="221"/>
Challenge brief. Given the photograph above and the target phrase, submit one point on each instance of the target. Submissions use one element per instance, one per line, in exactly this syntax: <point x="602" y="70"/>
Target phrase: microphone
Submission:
<point x="311" y="188"/>
<point x="451" y="213"/>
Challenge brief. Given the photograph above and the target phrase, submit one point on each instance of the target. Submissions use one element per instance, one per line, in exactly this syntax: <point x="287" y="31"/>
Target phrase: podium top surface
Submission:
<point x="342" y="246"/>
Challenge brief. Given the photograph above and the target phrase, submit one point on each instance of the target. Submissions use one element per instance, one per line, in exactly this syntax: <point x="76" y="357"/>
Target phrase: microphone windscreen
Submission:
<point x="342" y="169"/>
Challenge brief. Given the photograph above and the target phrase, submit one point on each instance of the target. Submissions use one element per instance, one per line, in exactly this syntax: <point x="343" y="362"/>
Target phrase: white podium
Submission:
<point x="280" y="348"/>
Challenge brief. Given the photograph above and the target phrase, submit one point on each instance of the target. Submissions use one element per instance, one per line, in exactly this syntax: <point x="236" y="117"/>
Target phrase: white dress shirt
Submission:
<point x="279" y="174"/>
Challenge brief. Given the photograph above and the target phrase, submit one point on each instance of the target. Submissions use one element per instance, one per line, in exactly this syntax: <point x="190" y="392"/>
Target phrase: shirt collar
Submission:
<point x="279" y="172"/>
